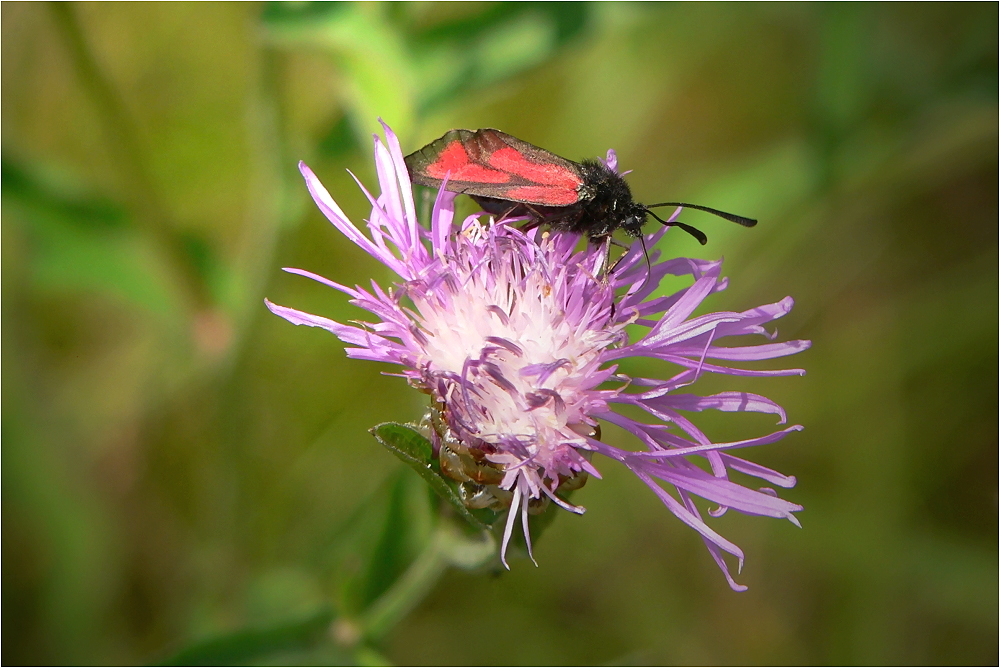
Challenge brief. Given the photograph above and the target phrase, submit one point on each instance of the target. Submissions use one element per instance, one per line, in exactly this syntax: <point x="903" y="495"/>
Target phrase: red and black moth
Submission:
<point x="510" y="177"/>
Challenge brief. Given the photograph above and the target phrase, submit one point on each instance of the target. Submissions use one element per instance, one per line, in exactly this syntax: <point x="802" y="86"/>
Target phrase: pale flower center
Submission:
<point x="531" y="405"/>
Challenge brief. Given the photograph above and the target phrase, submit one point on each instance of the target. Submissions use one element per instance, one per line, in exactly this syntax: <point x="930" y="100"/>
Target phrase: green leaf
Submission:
<point x="238" y="648"/>
<point x="81" y="241"/>
<point x="61" y="196"/>
<point x="407" y="444"/>
<point x="377" y="72"/>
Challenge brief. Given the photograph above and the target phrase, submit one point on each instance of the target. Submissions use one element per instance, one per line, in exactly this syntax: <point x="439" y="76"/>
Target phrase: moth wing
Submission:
<point x="423" y="163"/>
<point x="490" y="163"/>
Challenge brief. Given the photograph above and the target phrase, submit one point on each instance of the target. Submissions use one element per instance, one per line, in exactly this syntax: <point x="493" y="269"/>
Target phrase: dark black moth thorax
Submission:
<point x="605" y="204"/>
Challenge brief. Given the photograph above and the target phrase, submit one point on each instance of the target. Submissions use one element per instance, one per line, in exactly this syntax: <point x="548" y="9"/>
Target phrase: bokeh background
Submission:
<point x="180" y="466"/>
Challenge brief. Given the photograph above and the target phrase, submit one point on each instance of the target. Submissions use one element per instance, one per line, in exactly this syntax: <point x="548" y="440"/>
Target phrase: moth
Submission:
<point x="509" y="177"/>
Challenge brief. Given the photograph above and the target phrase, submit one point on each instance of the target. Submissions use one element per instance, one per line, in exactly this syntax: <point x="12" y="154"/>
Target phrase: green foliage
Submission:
<point x="242" y="647"/>
<point x="399" y="70"/>
<point x="389" y="559"/>
<point x="411" y="447"/>
<point x="83" y="239"/>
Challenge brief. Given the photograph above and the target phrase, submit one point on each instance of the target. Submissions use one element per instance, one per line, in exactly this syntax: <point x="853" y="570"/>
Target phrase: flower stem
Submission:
<point x="408" y="590"/>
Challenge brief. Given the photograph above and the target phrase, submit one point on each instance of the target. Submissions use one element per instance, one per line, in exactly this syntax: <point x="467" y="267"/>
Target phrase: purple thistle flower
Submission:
<point x="516" y="335"/>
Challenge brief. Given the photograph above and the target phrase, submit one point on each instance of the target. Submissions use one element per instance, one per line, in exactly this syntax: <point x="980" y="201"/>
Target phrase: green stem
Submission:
<point x="408" y="590"/>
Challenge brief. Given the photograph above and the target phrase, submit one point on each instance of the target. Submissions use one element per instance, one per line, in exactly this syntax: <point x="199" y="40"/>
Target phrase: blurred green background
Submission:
<point x="178" y="464"/>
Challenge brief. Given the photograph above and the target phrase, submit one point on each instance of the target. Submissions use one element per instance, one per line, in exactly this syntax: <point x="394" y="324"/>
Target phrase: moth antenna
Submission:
<point x="739" y="220"/>
<point x="693" y="231"/>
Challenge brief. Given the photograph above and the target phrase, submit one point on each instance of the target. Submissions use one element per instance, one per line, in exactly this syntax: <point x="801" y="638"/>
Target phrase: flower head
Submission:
<point x="516" y="335"/>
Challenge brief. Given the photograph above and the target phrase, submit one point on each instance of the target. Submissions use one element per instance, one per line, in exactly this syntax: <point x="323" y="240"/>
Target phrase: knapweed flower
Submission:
<point x="515" y="335"/>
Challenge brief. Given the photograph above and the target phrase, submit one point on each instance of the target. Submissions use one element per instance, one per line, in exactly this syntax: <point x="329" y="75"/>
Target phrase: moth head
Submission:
<point x="633" y="219"/>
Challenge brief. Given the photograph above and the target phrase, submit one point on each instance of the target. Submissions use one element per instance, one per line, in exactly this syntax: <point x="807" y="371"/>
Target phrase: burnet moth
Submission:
<point x="510" y="177"/>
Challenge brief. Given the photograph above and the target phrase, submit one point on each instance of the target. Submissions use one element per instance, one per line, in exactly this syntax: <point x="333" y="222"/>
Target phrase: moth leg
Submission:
<point x="520" y="209"/>
<point x="537" y="218"/>
<point x="612" y="241"/>
<point x="606" y="252"/>
<point x="608" y="240"/>
<point x="507" y="212"/>
<point x="531" y="224"/>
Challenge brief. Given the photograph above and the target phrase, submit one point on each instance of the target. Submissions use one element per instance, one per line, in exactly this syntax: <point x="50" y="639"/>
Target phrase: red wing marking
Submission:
<point x="544" y="195"/>
<point x="510" y="160"/>
<point x="455" y="160"/>
<point x="449" y="160"/>
<point x="477" y="174"/>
